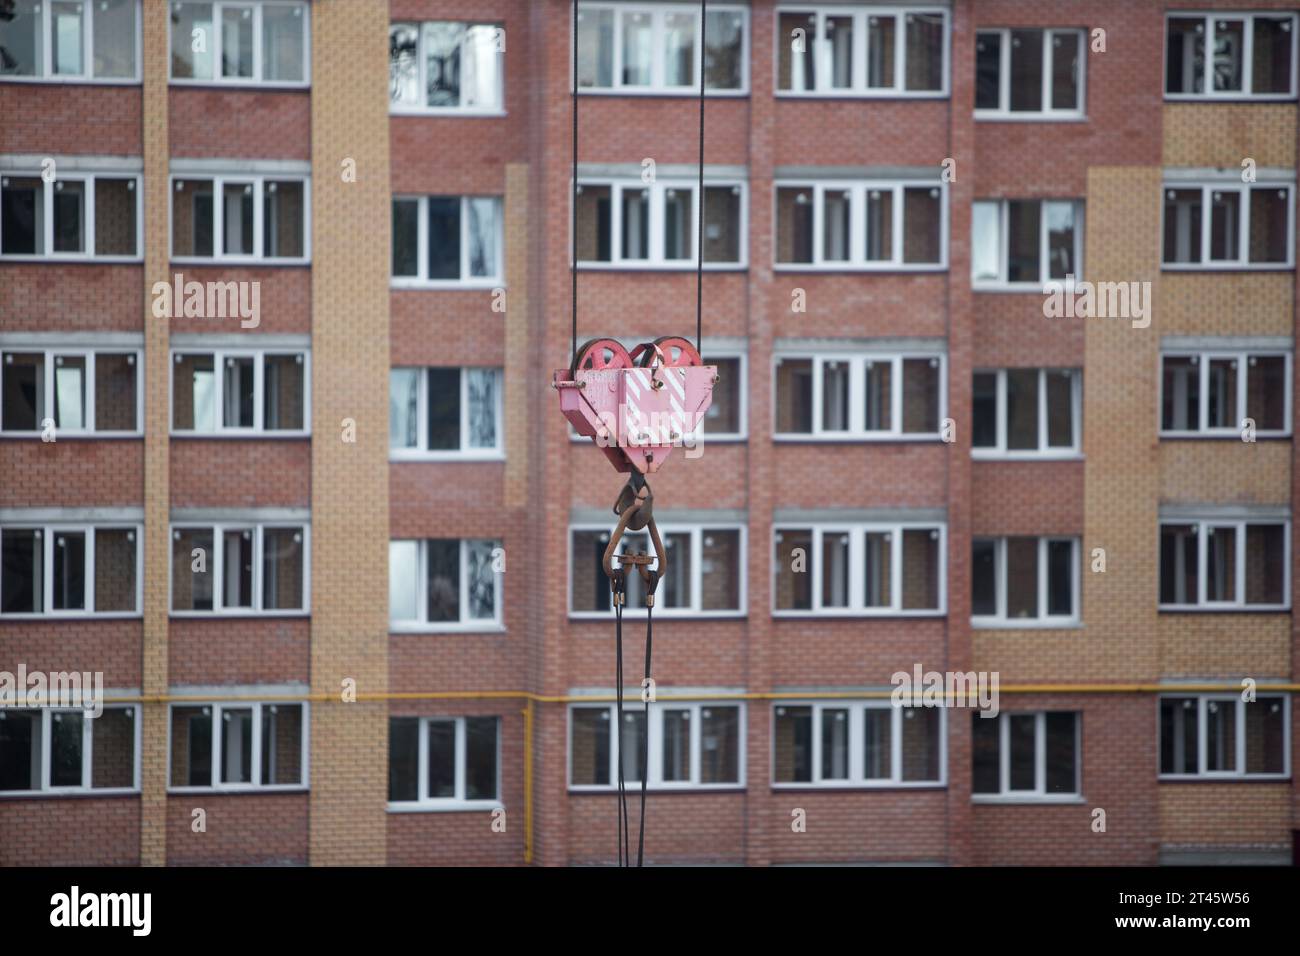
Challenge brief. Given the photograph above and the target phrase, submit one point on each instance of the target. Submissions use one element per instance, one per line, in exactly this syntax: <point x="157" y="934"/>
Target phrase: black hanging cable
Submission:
<point x="621" y="810"/>
<point x="573" y="198"/>
<point x="699" y="241"/>
<point x="645" y="753"/>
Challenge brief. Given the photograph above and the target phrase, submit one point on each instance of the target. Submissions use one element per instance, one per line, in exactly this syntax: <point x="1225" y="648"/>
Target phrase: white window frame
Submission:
<point x="1202" y="359"/>
<point x="1242" y="263"/>
<point x="216" y="41"/>
<point x="858" y="362"/>
<point x="421" y="280"/>
<point x="1247" y="56"/>
<point x="48" y="530"/>
<point x="87" y="178"/>
<point x="421" y="624"/>
<point x="857" y="261"/>
<point x="856" y="780"/>
<point x="1047" y="113"/>
<point x="466" y="452"/>
<point x="87" y="75"/>
<point x="858" y="88"/>
<point x="999" y="619"/>
<point x="656" y="231"/>
<point x="216" y="567"/>
<point x="1002" y="283"/>
<point x="423" y="109"/>
<point x="219" y="358"/>
<point x="857" y="531"/>
<point x="88" y="353"/>
<point x="657" y="87"/>
<point x="1239" y="723"/>
<point x="1039" y="793"/>
<point x="258" y="181"/>
<point x="697" y="532"/>
<point x="47" y="714"/>
<point x="1044" y="452"/>
<point x="1203" y="527"/>
<point x="217" y="710"/>
<point x="423" y="803"/>
<point x="655" y="743"/>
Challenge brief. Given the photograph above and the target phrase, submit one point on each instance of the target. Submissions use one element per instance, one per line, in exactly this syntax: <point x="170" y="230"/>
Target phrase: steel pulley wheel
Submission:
<point x="598" y="354"/>
<point x="674" y="351"/>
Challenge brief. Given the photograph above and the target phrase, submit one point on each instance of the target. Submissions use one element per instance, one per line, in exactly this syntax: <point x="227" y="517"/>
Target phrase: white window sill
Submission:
<point x="1229" y="97"/>
<point x="493" y="627"/>
<point x="1223" y="777"/>
<point x="74" y="80"/>
<point x="661" y="614"/>
<point x="69" y="792"/>
<point x="979" y="454"/>
<point x="444" y="806"/>
<point x="683" y="91"/>
<point x="856" y="613"/>
<point x="1227" y="434"/>
<point x="237" y="612"/>
<point x="1028" y="799"/>
<point x="71" y="258"/>
<point x="887" y="268"/>
<point x="406" y="455"/>
<point x="683" y="265"/>
<point x="1227" y="266"/>
<point x="869" y="94"/>
<point x="1221" y="608"/>
<point x="242" y="788"/>
<point x="229" y="433"/>
<point x="74" y="616"/>
<point x="447" y="285"/>
<point x="251" y="262"/>
<point x="863" y="785"/>
<point x="243" y="85"/>
<point x="1024" y="624"/>
<point x="1005" y="116"/>
<point x="1009" y="288"/>
<point x="448" y="112"/>
<point x="855" y="438"/>
<point x="71" y="436"/>
<point x="660" y="788"/>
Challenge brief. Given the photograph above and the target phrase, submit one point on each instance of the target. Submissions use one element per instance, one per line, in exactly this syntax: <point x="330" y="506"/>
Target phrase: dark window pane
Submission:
<point x="193" y="569"/>
<point x="590" y="746"/>
<point x="984" y="578"/>
<point x="723" y="416"/>
<point x="922" y="224"/>
<point x="836" y="231"/>
<point x="1021" y="747"/>
<point x="115" y="392"/>
<point x="920" y="743"/>
<point x="679" y="224"/>
<point x="281" y="744"/>
<point x="1060" y="578"/>
<point x="1022" y="409"/>
<point x="835" y="744"/>
<point x="65" y="749"/>
<point x="920" y="569"/>
<point x="1181" y="394"/>
<point x="676" y="746"/>
<point x="1022" y="577"/>
<point x="113" y="748"/>
<point x="1221" y="735"/>
<point x="877" y="744"/>
<point x="794" y="224"/>
<point x="1062" y="759"/>
<point x="1221" y="564"/>
<point x="720" y="745"/>
<point x="406" y="232"/>
<point x="1060" y="409"/>
<point x="115" y="569"/>
<point x="1178" y="735"/>
<point x="988" y="67"/>
<point x="282" y="219"/>
<point x="984" y="410"/>
<point x="1222" y="399"/>
<point x="985" y="772"/>
<point x="1225" y="225"/>
<point x="1026" y="70"/>
<point x="1023" y="225"/>
<point x="282" y="392"/>
<point x="69" y="571"/>
<point x="720" y="557"/>
<point x="1266" y="391"/>
<point x="20" y="750"/>
<point x="191" y="747"/>
<point x="1178" y="564"/>
<point x="1183" y="211"/>
<point x="793" y="739"/>
<point x="1061" y="253"/>
<point x="878" y="395"/>
<point x="794" y="380"/>
<point x="115" y="227"/>
<point x="1185" y="55"/>
<point x="595" y="237"/>
<point x="590" y="586"/>
<point x="1268" y="224"/>
<point x="878" y="569"/>
<point x="1065" y="71"/>
<point x="793" y="569"/>
<point x="282" y="569"/>
<point x="22" y="564"/>
<point x="237" y="745"/>
<point x="1266" y="564"/>
<point x="444" y="409"/>
<point x="724" y="34"/>
<point x="1271" y="66"/>
<point x="1229" y="52"/>
<point x="69" y="216"/>
<point x="1266" y="735"/>
<point x="24" y="391"/>
<point x="22" y="211"/>
<point x="444" y="237"/>
<point x="442" y="759"/>
<point x="480" y="758"/>
<point x="835" y="396"/>
<point x="403" y="758"/>
<point x="921" y="395"/>
<point x="722" y="223"/>
<point x="924" y="42"/>
<point x="444" y="580"/>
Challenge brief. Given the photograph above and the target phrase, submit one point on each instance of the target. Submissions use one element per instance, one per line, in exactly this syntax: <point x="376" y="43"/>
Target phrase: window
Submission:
<point x="654" y="48"/>
<point x="1254" y="55"/>
<point x="444" y="584"/>
<point x="1024" y="243"/>
<point x="1222" y="564"/>
<point x="857" y="744"/>
<point x="1029" y="74"/>
<point x="447" y="240"/>
<point x="58" y="750"/>
<point x="1226" y="226"/>
<point x="696" y="746"/>
<point x="251" y="42"/>
<point x="243" y="746"/>
<point x="445" y="413"/>
<point x="1211" y="393"/>
<point x="861" y="226"/>
<point x="256" y="217"/>
<point x="727" y="417"/>
<point x="1033" y="756"/>
<point x="70" y="570"/>
<point x="851" y="397"/>
<point x="82" y="391"/>
<point x="240" y="568"/>
<point x="635" y="225"/>
<point x="705" y="576"/>
<point x="1221" y="735"/>
<point x="256" y="392"/>
<point x="443" y="763"/>
<point x="77" y="216"/>
<point x="1027" y="413"/>
<point x="70" y="41"/>
<point x="860" y="569"/>
<point x="1024" y="580"/>
<point x="446" y="67"/>
<point x="862" y="51"/>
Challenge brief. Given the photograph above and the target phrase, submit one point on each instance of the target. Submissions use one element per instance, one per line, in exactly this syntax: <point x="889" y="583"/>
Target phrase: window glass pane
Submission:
<point x="720" y="570"/>
<point x="921" y="395"/>
<point x="880" y="225"/>
<point x="676" y="754"/>
<point x="794" y="224"/>
<point x="985" y="773"/>
<point x="724" y="50"/>
<point x="722" y="223"/>
<point x="1178" y="735"/>
<point x="65" y="748"/>
<point x="636" y="223"/>
<point x="1221" y="735"/>
<point x="282" y="392"/>
<point x="835" y="569"/>
<point x="237" y="568"/>
<point x="115" y="569"/>
<point x="796" y="51"/>
<point x="1185" y="55"/>
<point x="481" y="70"/>
<point x="115" y="228"/>
<point x="1223" y="394"/>
<point x="443" y="567"/>
<point x="1266" y="391"/>
<point x="723" y="416"/>
<point x="1062" y="760"/>
<point x="484" y="257"/>
<point x="282" y="569"/>
<point x="1065" y="71"/>
<point x="282" y="220"/>
<point x="403" y="758"/>
<point x="595" y="48"/>
<point x="237" y="226"/>
<point x="1181" y="394"/>
<point x="1221" y="564"/>
<point x="1178" y="564"/>
<point x="1266" y="735"/>
<point x="924" y="60"/>
<point x="720" y="744"/>
<point x="482" y="579"/>
<point x="590" y="587"/>
<point x="1268" y="224"/>
<point x="835" y="396"/>
<point x="1060" y="408"/>
<point x="1182" y="225"/>
<point x="22" y="216"/>
<point x="237" y="42"/>
<point x="984" y="410"/>
<point x="679" y="49"/>
<point x="1266" y="564"/>
<point x="920" y="743"/>
<point x="986" y="243"/>
<point x="403" y="580"/>
<point x="1021" y="747"/>
<point x="113" y="748"/>
<point x="282" y="44"/>
<point x="194" y="393"/>
<point x="1026" y="70"/>
<point x="920" y="569"/>
<point x="876" y="743"/>
<point x="793" y="580"/>
<point x="835" y="225"/>
<point x="193" y="41"/>
<point x="1060" y="239"/>
<point x="191" y="747"/>
<point x="444" y="409"/>
<point x="1022" y="577"/>
<point x="69" y="589"/>
<point x="675" y="587"/>
<point x="594" y="224"/>
<point x="193" y="567"/>
<point x="878" y="395"/>
<point x="237" y="745"/>
<point x="679" y="224"/>
<point x="1060" y="577"/>
<point x="444" y="237"/>
<point x="403" y="403"/>
<point x="23" y="395"/>
<point x="984" y="577"/>
<point x="442" y="759"/>
<point x="480" y="758"/>
<point x="794" y="396"/>
<point x="406" y="237"/>
<point x="638" y="47"/>
<point x="69" y="215"/>
<point x="878" y="569"/>
<point x="22" y="563"/>
<point x="22" y="46"/>
<point x="835" y="744"/>
<point x="839" y="47"/>
<point x="1225" y="225"/>
<point x="988" y="69"/>
<point x="1271" y="66"/>
<point x="70" y="391"/>
<point x="403" y="65"/>
<point x="482" y="385"/>
<point x="633" y="745"/>
<point x="1022" y="409"/>
<point x="881" y="72"/>
<point x="1023" y="224"/>
<point x="66" y="38"/>
<point x="193" y="218"/>
<point x="589" y="749"/>
<point x="442" y="48"/>
<point x="281" y="744"/>
<point x="1229" y="51"/>
<point x="20" y="750"/>
<point x="238" y="392"/>
<point x="793" y="745"/>
<point x="922" y="220"/>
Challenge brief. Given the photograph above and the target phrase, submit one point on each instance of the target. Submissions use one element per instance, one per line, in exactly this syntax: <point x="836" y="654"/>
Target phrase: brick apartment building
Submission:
<point x="366" y="489"/>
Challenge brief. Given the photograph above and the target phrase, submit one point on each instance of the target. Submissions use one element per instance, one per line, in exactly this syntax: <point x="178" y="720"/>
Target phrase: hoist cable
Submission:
<point x="647" y="695"/>
<point x="623" y="854"/>
<point x="699" y="241"/>
<point x="573" y="199"/>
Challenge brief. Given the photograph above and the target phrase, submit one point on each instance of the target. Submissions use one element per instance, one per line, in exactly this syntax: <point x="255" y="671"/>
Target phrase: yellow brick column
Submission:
<point x="349" y="488"/>
<point x="157" y="547"/>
